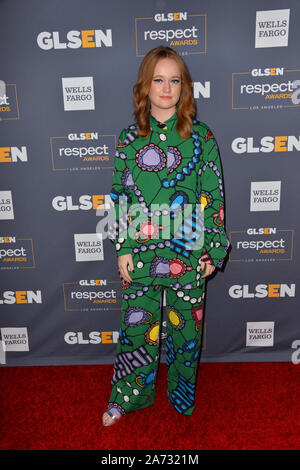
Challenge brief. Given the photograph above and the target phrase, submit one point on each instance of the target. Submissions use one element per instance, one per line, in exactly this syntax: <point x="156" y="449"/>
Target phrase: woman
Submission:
<point x="168" y="170"/>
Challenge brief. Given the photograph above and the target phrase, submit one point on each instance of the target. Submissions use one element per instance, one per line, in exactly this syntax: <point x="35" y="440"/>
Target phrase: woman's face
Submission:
<point x="165" y="87"/>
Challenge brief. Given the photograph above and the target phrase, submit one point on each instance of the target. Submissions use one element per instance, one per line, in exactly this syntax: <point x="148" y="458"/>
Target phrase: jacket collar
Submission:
<point x="162" y="127"/>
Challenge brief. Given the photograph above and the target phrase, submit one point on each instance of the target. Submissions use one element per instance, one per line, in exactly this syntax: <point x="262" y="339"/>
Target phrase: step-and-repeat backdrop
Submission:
<point x="67" y="73"/>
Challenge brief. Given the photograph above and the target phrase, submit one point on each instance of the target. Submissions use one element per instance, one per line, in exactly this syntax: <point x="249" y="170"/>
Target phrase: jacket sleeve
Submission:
<point x="120" y="196"/>
<point x="216" y="242"/>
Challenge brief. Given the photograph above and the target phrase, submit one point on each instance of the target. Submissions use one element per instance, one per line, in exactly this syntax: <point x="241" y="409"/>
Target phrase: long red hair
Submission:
<point x="186" y="109"/>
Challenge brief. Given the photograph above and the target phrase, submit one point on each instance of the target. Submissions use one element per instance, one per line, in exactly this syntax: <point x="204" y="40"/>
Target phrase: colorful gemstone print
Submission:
<point x="163" y="174"/>
<point x="138" y="350"/>
<point x="167" y="178"/>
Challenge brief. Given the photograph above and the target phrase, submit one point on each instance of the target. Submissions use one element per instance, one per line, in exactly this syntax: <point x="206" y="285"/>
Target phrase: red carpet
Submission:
<point x="238" y="406"/>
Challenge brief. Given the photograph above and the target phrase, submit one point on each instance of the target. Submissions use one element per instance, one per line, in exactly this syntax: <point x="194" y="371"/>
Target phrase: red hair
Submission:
<point x="186" y="109"/>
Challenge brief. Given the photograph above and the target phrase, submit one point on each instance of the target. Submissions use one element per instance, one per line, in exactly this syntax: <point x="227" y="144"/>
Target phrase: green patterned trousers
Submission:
<point x="136" y="363"/>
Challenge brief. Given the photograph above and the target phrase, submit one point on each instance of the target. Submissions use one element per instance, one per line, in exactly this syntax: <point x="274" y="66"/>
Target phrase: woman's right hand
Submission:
<point x="125" y="261"/>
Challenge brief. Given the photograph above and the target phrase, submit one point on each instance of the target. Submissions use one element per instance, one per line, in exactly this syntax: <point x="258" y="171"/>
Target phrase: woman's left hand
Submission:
<point x="209" y="269"/>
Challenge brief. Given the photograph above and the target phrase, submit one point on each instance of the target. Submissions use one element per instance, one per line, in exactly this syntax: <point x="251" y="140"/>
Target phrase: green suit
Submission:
<point x="169" y="215"/>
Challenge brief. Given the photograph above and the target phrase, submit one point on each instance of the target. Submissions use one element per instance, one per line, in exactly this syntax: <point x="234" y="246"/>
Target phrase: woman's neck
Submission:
<point x="162" y="115"/>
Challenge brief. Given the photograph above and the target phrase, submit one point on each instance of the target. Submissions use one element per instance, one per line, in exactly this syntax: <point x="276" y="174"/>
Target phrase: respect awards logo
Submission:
<point x="268" y="88"/>
<point x="9" y="106"/>
<point x="182" y="31"/>
<point x="16" y="253"/>
<point x="82" y="151"/>
<point x="262" y="244"/>
<point x="91" y="294"/>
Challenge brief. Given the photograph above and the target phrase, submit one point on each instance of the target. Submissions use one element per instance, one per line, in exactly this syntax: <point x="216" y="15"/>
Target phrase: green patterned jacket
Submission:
<point x="170" y="192"/>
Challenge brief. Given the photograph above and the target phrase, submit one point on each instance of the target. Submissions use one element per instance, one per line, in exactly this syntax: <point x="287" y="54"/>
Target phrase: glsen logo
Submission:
<point x="15" y="339"/>
<point x="268" y="88"/>
<point x="86" y="39"/>
<point x="267" y="144"/>
<point x="272" y="28"/>
<point x="88" y="246"/>
<point x="6" y="206"/>
<point x="267" y="72"/>
<point x="260" y="333"/>
<point x="180" y="16"/>
<point x="7" y="239"/>
<point x="94" y="337"/>
<point x="86" y="202"/>
<point x="182" y="31"/>
<point x="201" y="90"/>
<point x="261" y="231"/>
<point x="262" y="291"/>
<point x="16" y="253"/>
<point x="265" y="196"/>
<point x="261" y="244"/>
<point x="82" y="151"/>
<point x="13" y="154"/>
<point x="78" y="93"/>
<point x="83" y="136"/>
<point x="10" y="297"/>
<point x="92" y="282"/>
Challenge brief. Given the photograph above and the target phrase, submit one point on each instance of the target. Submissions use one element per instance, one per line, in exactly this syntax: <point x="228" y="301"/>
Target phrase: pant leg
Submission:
<point x="183" y="343"/>
<point x="137" y="358"/>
